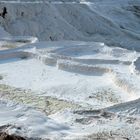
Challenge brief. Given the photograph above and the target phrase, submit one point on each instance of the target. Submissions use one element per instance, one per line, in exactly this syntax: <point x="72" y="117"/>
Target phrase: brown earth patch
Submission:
<point x="5" y="136"/>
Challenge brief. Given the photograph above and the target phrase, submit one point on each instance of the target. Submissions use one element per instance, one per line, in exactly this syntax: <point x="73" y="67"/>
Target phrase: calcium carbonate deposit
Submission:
<point x="70" y="70"/>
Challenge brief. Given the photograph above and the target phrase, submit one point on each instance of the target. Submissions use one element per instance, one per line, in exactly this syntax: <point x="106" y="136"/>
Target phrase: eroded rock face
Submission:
<point x="5" y="136"/>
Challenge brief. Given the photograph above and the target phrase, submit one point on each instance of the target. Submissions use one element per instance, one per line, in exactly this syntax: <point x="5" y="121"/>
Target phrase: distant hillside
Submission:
<point x="109" y="21"/>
